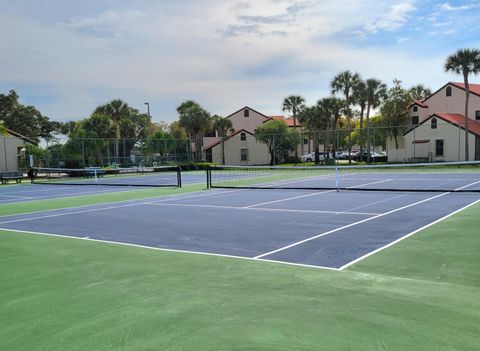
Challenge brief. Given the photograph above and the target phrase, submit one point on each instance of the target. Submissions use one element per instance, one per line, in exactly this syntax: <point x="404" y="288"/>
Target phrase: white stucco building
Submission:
<point x="438" y="127"/>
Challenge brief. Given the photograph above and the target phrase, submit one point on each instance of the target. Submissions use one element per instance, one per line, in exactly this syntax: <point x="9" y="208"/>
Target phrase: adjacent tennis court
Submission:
<point x="327" y="228"/>
<point x="274" y="259"/>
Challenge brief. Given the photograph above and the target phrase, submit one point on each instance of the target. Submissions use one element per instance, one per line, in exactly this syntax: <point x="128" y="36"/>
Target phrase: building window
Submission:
<point x="434" y="123"/>
<point x="439" y="147"/>
<point x="448" y="91"/>
<point x="305" y="141"/>
<point x="246" y="113"/>
<point x="415" y="108"/>
<point x="244" y="154"/>
<point x="414" y="120"/>
<point x="477" y="115"/>
<point x="243" y="136"/>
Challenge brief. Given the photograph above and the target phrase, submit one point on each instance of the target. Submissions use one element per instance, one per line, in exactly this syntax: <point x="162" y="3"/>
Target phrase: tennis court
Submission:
<point x="326" y="228"/>
<point x="58" y="188"/>
<point x="263" y="259"/>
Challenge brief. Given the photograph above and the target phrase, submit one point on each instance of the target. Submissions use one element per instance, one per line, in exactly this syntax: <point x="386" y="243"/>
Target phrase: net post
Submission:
<point x="209" y="177"/>
<point x="95" y="174"/>
<point x="337" y="179"/>
<point x="179" y="177"/>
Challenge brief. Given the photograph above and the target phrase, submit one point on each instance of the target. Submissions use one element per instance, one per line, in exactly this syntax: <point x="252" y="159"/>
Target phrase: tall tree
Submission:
<point x="345" y="83"/>
<point x="181" y="138"/>
<point x="25" y="120"/>
<point x="315" y="118"/>
<point x="360" y="97"/>
<point x="376" y="92"/>
<point x="294" y="104"/>
<point x="333" y="107"/>
<point x="464" y="62"/>
<point x="420" y="92"/>
<point x="222" y="126"/>
<point x="117" y="110"/>
<point x="196" y="122"/>
<point x="394" y="110"/>
<point x="276" y="136"/>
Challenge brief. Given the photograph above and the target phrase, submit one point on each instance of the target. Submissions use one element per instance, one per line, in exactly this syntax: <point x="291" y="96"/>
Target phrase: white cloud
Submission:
<point x="394" y="19"/>
<point x="447" y="7"/>
<point x="165" y="57"/>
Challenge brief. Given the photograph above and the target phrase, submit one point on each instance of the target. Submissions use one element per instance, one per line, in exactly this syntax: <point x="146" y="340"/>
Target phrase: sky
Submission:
<point x="67" y="57"/>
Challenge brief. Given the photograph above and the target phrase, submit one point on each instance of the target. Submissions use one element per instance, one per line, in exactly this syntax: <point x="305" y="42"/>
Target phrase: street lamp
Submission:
<point x="148" y="108"/>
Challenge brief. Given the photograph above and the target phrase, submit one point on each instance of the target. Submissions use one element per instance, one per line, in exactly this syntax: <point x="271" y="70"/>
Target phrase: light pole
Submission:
<point x="148" y="108"/>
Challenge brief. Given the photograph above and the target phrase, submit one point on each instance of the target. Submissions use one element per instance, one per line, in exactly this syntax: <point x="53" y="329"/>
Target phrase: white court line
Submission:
<point x="289" y="198"/>
<point x="395" y="197"/>
<point x="17" y="196"/>
<point x="70" y="213"/>
<point x="141" y="202"/>
<point x="263" y="209"/>
<point x="313" y="194"/>
<point x="87" y="238"/>
<point x="348" y="226"/>
<point x="407" y="236"/>
<point x="468" y="185"/>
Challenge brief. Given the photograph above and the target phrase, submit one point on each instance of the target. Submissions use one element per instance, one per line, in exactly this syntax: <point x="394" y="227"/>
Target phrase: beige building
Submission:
<point x="12" y="148"/>
<point x="438" y="127"/>
<point x="240" y="146"/>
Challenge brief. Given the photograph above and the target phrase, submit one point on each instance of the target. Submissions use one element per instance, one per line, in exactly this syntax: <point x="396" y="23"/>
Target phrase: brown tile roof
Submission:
<point x="419" y="103"/>
<point x="459" y="120"/>
<point x="288" y="121"/>
<point x="474" y="88"/>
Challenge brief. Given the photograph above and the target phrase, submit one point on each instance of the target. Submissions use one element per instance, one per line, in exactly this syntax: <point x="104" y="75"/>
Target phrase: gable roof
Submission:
<point x="230" y="136"/>
<point x="249" y="108"/>
<point x="419" y="103"/>
<point x="474" y="89"/>
<point x="20" y="136"/>
<point x="288" y="121"/>
<point x="454" y="119"/>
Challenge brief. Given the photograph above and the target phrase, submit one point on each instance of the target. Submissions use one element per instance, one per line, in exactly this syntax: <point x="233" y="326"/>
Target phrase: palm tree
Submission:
<point x="420" y="92"/>
<point x="332" y="107"/>
<point x="196" y="122"/>
<point x="117" y="110"/>
<point x="294" y="104"/>
<point x="222" y="125"/>
<point x="315" y="118"/>
<point x="465" y="62"/>
<point x="360" y="99"/>
<point x="345" y="82"/>
<point x="376" y="92"/>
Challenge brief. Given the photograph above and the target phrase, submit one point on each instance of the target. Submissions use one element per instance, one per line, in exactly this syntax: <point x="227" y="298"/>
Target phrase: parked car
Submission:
<point x="374" y="157"/>
<point x="344" y="155"/>
<point x="310" y="157"/>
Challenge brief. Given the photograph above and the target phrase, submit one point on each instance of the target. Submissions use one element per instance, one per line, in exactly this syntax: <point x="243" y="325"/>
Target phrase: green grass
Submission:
<point x="93" y="199"/>
<point x="66" y="294"/>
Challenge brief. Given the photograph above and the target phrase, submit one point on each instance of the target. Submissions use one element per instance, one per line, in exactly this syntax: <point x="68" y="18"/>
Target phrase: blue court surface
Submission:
<point x="326" y="229"/>
<point x="29" y="192"/>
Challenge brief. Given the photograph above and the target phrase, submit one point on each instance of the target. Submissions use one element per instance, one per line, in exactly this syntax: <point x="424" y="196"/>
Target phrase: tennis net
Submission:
<point x="424" y="177"/>
<point x="162" y="176"/>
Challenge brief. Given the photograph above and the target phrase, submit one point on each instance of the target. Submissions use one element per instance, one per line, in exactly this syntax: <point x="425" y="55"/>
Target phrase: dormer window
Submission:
<point x="414" y="120"/>
<point x="246" y="113"/>
<point x="415" y="108"/>
<point x="433" y="124"/>
<point x="243" y="136"/>
<point x="448" y="91"/>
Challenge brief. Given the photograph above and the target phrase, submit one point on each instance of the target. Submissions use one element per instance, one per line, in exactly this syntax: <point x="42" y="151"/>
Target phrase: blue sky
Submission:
<point x="66" y="57"/>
